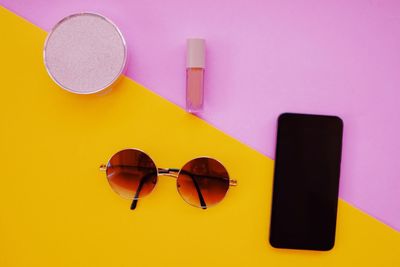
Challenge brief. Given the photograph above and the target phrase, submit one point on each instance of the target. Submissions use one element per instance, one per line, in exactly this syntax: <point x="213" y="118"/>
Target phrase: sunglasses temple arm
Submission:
<point x="201" y="198"/>
<point x="136" y="197"/>
<point x="174" y="173"/>
<point x="196" y="185"/>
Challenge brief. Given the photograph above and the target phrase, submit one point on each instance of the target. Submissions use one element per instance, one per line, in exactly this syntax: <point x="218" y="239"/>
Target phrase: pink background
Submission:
<point x="267" y="57"/>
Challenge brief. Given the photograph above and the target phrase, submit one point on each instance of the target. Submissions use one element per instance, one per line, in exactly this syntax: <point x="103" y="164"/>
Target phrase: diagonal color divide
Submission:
<point x="58" y="210"/>
<point x="273" y="56"/>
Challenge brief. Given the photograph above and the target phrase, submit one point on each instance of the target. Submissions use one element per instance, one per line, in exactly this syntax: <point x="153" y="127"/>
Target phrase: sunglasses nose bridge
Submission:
<point x="168" y="172"/>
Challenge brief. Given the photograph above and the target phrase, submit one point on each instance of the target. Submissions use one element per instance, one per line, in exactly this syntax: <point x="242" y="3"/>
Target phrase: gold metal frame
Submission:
<point x="168" y="171"/>
<point x="171" y="172"/>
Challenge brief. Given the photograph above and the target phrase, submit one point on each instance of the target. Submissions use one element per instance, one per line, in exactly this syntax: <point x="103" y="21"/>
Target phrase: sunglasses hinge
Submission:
<point x="232" y="182"/>
<point x="103" y="167"/>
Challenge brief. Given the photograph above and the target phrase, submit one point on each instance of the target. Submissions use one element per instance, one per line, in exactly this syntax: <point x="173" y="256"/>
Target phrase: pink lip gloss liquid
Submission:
<point x="195" y="65"/>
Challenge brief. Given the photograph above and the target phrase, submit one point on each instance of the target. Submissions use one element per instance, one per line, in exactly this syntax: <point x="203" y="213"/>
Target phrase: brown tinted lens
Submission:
<point x="203" y="182"/>
<point x="131" y="170"/>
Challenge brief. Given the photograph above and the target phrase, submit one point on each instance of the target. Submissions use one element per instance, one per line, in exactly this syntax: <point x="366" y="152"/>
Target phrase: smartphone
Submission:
<point x="306" y="181"/>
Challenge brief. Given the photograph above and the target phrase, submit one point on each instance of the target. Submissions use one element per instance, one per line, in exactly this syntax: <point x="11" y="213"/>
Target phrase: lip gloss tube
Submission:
<point x="195" y="65"/>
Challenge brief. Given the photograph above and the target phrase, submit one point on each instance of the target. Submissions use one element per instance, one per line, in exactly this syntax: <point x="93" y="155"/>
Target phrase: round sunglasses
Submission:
<point x="202" y="182"/>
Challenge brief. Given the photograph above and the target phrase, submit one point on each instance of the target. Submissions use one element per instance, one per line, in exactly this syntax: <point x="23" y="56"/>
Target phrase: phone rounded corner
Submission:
<point x="272" y="242"/>
<point x="339" y="121"/>
<point x="329" y="247"/>
<point x="283" y="116"/>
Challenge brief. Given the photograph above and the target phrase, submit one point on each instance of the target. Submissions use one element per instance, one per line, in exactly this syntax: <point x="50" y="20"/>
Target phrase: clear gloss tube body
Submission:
<point x="194" y="89"/>
<point x="195" y="66"/>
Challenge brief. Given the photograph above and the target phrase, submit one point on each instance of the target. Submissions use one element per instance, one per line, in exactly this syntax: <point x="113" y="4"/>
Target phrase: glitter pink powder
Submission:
<point x="85" y="53"/>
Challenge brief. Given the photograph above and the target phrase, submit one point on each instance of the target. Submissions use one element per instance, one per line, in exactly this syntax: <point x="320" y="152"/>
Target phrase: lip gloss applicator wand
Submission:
<point x="195" y="65"/>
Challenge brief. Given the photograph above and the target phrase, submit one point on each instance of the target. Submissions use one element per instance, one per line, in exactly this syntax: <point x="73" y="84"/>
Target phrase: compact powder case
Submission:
<point x="85" y="53"/>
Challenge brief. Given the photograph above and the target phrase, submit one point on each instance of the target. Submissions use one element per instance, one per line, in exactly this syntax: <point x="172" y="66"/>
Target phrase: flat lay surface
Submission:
<point x="334" y="57"/>
<point x="58" y="209"/>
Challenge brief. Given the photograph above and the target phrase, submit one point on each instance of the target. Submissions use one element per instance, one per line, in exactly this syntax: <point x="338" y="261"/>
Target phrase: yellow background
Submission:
<point x="57" y="209"/>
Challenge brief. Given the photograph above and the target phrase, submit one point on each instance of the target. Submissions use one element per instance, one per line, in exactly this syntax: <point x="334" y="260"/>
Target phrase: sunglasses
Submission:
<point x="202" y="182"/>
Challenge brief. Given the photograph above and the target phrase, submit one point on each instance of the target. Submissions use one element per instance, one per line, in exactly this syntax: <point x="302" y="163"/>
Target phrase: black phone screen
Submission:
<point x="306" y="181"/>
